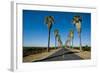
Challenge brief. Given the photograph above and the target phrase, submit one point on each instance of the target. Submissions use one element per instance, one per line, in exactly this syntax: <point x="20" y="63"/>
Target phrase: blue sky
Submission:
<point x="35" y="31"/>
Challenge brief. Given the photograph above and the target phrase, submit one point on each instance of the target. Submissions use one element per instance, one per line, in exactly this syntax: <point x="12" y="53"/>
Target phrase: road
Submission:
<point x="63" y="54"/>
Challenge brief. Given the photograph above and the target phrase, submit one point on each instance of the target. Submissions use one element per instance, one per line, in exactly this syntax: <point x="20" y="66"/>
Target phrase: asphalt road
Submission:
<point x="63" y="54"/>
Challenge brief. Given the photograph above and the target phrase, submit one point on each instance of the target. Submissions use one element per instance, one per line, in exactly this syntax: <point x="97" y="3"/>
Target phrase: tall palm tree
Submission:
<point x="77" y="22"/>
<point x="49" y="20"/>
<point x="56" y="35"/>
<point x="71" y="36"/>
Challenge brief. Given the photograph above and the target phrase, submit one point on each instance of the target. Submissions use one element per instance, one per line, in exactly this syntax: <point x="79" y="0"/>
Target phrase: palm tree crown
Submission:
<point x="49" y="20"/>
<point x="77" y="22"/>
<point x="71" y="34"/>
<point x="56" y="32"/>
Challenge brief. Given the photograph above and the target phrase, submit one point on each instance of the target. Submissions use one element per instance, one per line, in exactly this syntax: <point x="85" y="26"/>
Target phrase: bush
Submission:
<point x="86" y="48"/>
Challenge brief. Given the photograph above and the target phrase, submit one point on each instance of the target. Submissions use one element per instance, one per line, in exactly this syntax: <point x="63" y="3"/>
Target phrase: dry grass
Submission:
<point x="83" y="54"/>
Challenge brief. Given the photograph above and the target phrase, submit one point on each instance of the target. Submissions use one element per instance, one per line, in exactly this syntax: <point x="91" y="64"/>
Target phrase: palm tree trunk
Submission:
<point x="80" y="42"/>
<point x="55" y="42"/>
<point x="72" y="43"/>
<point x="48" y="41"/>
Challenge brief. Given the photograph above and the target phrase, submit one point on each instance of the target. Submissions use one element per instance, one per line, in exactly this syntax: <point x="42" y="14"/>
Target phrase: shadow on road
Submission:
<point x="51" y="58"/>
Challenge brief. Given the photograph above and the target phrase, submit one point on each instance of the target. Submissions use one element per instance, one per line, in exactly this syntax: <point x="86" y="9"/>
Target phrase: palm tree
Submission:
<point x="71" y="36"/>
<point x="77" y="22"/>
<point x="68" y="41"/>
<point x="56" y="34"/>
<point x="49" y="20"/>
<point x="59" y="41"/>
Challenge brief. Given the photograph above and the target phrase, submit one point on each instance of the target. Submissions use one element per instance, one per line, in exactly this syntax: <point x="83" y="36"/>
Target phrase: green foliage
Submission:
<point x="49" y="20"/>
<point x="63" y="46"/>
<point x="86" y="48"/>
